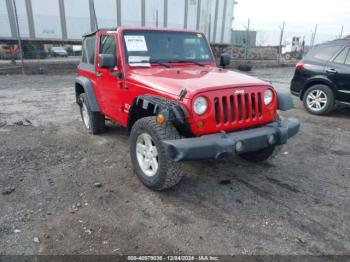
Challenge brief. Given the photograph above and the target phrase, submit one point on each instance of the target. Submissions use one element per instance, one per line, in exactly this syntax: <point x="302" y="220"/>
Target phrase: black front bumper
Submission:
<point x="222" y="145"/>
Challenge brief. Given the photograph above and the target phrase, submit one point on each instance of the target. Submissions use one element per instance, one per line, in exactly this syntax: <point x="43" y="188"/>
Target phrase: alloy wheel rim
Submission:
<point x="317" y="100"/>
<point x="147" y="155"/>
<point x="86" y="117"/>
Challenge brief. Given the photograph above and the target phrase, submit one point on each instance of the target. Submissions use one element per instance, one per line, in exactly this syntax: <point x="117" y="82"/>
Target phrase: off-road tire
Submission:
<point x="169" y="173"/>
<point x="259" y="156"/>
<point x="245" y="67"/>
<point x="96" y="119"/>
<point x="330" y="99"/>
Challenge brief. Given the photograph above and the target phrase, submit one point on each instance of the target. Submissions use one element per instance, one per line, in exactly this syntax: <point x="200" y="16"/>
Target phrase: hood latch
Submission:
<point x="182" y="94"/>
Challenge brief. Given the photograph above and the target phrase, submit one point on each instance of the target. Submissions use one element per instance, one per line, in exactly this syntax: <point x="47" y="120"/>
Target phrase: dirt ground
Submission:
<point x="296" y="203"/>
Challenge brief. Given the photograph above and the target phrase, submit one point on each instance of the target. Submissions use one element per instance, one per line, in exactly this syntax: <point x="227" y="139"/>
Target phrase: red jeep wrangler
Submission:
<point x="165" y="88"/>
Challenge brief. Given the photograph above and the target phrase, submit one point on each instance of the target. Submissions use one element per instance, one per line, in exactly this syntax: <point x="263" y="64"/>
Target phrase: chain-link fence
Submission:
<point x="251" y="44"/>
<point x="277" y="43"/>
<point x="37" y="56"/>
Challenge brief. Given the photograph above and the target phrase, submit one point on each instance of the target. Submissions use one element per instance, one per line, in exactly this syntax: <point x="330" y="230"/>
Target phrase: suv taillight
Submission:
<point x="299" y="66"/>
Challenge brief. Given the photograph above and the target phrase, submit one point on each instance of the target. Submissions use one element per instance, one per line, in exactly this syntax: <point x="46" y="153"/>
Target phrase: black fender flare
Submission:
<point x="88" y="90"/>
<point x="173" y="111"/>
<point x="285" y="101"/>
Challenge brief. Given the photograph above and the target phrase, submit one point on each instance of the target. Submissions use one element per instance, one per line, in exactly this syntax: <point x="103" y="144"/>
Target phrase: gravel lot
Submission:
<point x="296" y="203"/>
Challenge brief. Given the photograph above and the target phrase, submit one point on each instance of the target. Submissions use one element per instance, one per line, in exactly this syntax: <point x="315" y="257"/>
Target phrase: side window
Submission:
<point x="327" y="53"/>
<point x="340" y="59"/>
<point x="89" y="45"/>
<point x="108" y="46"/>
<point x="84" y="55"/>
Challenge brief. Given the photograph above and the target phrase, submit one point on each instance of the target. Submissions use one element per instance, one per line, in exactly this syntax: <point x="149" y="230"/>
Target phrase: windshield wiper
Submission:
<point x="187" y="61"/>
<point x="152" y="61"/>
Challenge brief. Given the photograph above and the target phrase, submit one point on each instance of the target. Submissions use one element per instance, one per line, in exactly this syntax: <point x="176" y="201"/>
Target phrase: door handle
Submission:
<point x="99" y="74"/>
<point x="331" y="71"/>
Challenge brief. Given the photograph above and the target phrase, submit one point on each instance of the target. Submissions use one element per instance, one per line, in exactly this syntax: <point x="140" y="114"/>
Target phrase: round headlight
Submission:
<point x="200" y="105"/>
<point x="268" y="96"/>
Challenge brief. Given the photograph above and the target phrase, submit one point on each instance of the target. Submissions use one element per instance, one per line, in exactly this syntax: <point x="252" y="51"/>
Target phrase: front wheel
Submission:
<point x="259" y="156"/>
<point x="149" y="159"/>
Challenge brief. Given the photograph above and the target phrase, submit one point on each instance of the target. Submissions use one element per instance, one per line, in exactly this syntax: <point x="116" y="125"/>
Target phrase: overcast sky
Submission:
<point x="300" y="16"/>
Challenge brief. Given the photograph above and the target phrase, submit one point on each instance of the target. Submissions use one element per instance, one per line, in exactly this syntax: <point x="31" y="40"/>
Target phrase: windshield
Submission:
<point x="60" y="49"/>
<point x="165" y="46"/>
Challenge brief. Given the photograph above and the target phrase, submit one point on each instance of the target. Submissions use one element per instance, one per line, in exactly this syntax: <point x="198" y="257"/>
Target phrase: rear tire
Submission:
<point x="319" y="100"/>
<point x="149" y="159"/>
<point x="259" y="156"/>
<point x="94" y="122"/>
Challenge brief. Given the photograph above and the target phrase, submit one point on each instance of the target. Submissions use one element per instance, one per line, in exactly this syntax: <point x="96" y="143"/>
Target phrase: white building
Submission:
<point x="68" y="20"/>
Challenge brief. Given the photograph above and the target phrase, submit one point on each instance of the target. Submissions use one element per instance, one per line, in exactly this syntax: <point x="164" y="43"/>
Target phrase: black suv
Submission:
<point x="322" y="78"/>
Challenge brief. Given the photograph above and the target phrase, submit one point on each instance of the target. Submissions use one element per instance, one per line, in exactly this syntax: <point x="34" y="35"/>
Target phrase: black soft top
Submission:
<point x="98" y="30"/>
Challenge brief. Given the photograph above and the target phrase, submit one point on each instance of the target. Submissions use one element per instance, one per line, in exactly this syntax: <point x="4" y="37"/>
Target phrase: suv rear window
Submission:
<point x="340" y="59"/>
<point x="347" y="61"/>
<point x="327" y="53"/>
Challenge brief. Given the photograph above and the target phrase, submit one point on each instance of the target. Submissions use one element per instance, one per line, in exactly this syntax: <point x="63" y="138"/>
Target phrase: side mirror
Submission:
<point x="106" y="61"/>
<point x="225" y="60"/>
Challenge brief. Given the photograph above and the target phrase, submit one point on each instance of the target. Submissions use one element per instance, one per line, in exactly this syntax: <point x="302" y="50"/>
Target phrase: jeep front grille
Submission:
<point x="238" y="108"/>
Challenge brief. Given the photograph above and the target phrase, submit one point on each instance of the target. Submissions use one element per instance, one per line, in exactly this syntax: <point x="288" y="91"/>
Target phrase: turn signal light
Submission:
<point x="200" y="124"/>
<point x="160" y="119"/>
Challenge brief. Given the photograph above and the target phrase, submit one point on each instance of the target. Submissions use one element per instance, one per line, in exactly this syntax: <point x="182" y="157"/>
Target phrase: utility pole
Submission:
<point x="280" y="45"/>
<point x="247" y="41"/>
<point x="209" y="28"/>
<point x="94" y="14"/>
<point x="303" y="47"/>
<point x="341" y="32"/>
<point x="313" y="37"/>
<point x="157" y="18"/>
<point x="18" y="35"/>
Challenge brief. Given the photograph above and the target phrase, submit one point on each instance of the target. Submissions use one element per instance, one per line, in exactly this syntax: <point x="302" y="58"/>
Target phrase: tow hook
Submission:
<point x="182" y="94"/>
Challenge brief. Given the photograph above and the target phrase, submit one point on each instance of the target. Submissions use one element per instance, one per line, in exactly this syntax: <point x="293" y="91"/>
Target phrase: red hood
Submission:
<point x="194" y="78"/>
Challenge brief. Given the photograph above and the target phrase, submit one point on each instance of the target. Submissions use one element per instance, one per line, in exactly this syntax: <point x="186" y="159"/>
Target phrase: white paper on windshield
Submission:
<point x="139" y="61"/>
<point x="136" y="43"/>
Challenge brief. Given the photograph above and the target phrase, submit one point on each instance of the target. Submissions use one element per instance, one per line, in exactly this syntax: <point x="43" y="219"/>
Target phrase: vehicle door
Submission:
<point x="108" y="79"/>
<point x="338" y="71"/>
